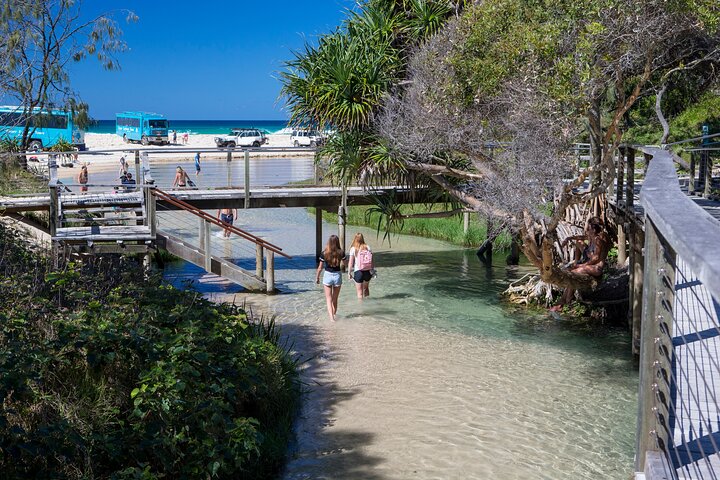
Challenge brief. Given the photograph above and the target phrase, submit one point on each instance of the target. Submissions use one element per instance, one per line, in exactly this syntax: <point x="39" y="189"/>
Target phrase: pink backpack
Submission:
<point x="365" y="259"/>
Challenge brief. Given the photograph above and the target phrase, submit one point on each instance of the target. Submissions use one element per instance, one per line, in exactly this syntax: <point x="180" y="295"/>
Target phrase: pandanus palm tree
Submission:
<point x="341" y="82"/>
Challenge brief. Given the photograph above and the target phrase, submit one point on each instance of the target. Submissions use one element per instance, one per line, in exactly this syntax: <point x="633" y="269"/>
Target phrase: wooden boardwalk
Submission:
<point x="695" y="389"/>
<point x="322" y="197"/>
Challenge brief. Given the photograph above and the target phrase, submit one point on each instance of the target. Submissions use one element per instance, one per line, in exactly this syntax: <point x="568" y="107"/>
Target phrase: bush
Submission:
<point x="106" y="375"/>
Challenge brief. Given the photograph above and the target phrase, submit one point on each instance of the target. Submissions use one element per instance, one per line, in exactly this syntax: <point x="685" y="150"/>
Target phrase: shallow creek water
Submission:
<point x="433" y="377"/>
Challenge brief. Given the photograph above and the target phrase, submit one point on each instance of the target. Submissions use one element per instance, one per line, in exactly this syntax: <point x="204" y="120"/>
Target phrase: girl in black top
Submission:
<point x="331" y="260"/>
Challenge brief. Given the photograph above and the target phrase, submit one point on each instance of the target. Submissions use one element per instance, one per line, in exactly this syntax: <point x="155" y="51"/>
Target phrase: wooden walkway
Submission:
<point x="695" y="389"/>
<point x="322" y="197"/>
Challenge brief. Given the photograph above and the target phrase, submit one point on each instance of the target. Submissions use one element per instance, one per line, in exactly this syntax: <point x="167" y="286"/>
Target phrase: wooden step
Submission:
<point x="109" y="209"/>
<point x="103" y="233"/>
<point x="121" y="218"/>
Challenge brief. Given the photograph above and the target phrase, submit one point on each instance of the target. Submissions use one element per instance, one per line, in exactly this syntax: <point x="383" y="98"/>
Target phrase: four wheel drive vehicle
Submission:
<point x="242" y="137"/>
<point x="306" y="138"/>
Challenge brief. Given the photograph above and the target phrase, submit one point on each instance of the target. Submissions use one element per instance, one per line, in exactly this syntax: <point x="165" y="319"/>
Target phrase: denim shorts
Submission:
<point x="332" y="279"/>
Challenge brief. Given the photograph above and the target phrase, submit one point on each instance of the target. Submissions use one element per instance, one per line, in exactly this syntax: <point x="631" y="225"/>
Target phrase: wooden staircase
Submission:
<point x="125" y="221"/>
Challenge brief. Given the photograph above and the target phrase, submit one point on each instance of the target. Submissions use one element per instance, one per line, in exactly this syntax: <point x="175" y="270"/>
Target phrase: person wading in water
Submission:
<point x="331" y="260"/>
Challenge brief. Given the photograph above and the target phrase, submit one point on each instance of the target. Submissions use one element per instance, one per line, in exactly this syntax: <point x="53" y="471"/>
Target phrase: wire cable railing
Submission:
<point x="678" y="435"/>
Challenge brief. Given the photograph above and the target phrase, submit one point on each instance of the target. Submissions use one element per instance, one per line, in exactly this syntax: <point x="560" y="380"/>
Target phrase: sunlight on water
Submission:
<point x="432" y="377"/>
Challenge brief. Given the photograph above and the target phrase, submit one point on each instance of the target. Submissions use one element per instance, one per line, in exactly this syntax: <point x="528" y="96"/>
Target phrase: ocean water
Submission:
<point x="196" y="127"/>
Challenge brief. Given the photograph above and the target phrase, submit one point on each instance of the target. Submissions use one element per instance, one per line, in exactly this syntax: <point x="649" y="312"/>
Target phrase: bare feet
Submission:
<point x="556" y="308"/>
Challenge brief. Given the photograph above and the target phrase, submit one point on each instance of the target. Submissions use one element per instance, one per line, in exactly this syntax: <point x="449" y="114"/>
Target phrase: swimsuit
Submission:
<point x="227" y="218"/>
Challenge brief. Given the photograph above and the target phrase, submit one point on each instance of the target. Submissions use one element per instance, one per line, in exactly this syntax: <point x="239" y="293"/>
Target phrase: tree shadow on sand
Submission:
<point x="319" y="451"/>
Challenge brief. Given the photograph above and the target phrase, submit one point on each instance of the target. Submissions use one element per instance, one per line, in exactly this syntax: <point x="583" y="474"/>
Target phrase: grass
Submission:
<point x="15" y="180"/>
<point x="449" y="229"/>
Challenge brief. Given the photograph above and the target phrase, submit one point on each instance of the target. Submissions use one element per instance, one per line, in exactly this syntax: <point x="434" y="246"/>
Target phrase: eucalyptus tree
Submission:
<point x="39" y="41"/>
<point x="533" y="78"/>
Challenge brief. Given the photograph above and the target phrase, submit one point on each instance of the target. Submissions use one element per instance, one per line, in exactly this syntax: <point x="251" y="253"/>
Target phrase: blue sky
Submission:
<point x="203" y="60"/>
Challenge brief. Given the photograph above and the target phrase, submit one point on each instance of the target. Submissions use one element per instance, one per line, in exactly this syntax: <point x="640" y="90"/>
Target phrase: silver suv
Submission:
<point x="306" y="138"/>
<point x="242" y="137"/>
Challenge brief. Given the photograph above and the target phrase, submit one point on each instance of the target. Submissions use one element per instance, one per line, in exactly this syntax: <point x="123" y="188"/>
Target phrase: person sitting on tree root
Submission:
<point x="592" y="256"/>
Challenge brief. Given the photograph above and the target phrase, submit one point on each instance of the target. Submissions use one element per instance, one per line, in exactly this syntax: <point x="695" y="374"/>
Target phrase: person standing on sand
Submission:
<point x="197" y="163"/>
<point x="83" y="178"/>
<point x="185" y="138"/>
<point x="174" y="136"/>
<point x="123" y="167"/>
<point x="331" y="260"/>
<point x="360" y="265"/>
<point x="227" y="215"/>
<point x="181" y="177"/>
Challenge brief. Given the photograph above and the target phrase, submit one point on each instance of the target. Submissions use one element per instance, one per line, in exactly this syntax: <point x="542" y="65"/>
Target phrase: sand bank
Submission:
<point x="104" y="151"/>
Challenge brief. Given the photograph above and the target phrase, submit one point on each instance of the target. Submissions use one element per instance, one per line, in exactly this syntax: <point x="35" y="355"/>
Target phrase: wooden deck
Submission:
<point x="104" y="233"/>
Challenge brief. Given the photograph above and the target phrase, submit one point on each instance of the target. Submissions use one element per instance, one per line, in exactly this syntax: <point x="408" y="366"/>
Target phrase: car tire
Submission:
<point x="313" y="144"/>
<point x="231" y="144"/>
<point x="125" y="139"/>
<point x="256" y="144"/>
<point x="296" y="143"/>
<point x="35" y="145"/>
<point x="144" y="140"/>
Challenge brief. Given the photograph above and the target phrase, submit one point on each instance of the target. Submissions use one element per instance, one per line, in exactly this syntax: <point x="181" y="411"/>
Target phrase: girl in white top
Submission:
<point x="361" y="277"/>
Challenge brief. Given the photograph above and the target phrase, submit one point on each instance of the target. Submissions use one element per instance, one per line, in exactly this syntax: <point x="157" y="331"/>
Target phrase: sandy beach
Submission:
<point x="104" y="150"/>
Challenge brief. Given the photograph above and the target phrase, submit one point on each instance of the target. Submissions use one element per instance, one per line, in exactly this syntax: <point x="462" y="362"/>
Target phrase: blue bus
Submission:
<point x="142" y="127"/>
<point x="47" y="127"/>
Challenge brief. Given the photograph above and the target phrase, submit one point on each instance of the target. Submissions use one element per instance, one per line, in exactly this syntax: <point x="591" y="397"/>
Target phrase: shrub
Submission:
<point x="106" y="375"/>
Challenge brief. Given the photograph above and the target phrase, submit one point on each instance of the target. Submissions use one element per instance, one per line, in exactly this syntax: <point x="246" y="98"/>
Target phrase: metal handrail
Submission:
<point x="164" y="196"/>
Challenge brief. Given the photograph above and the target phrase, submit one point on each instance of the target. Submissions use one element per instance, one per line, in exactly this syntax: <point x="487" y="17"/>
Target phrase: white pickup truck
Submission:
<point x="242" y="137"/>
<point x="306" y="138"/>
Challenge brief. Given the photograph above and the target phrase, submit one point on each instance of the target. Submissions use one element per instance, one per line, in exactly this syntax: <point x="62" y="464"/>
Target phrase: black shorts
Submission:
<point x="226" y="218"/>
<point x="362" y="276"/>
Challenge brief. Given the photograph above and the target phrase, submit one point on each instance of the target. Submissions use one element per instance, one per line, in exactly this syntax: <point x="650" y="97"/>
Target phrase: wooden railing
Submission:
<point x="678" y="434"/>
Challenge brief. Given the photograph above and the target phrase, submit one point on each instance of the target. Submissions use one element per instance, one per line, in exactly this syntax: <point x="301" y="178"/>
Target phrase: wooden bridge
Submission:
<point x="119" y="218"/>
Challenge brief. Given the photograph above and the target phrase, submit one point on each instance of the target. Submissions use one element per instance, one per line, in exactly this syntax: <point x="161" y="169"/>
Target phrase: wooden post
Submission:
<point x="137" y="166"/>
<point x="646" y="417"/>
<point x="619" y="178"/>
<point x="318" y="233"/>
<point x="259" y="260"/>
<point x="53" y="210"/>
<point x="229" y="168"/>
<point x="147" y="263"/>
<point x="691" y="182"/>
<point x="466" y="222"/>
<point x="630" y="183"/>
<point x="208" y="249"/>
<point x="247" y="178"/>
<point x="342" y="212"/>
<point x="708" y="175"/>
<point x="201" y="234"/>
<point x="636" y="270"/>
<point x="270" y="277"/>
<point x="622" y="252"/>
<point x="702" y="168"/>
<point x="151" y="210"/>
